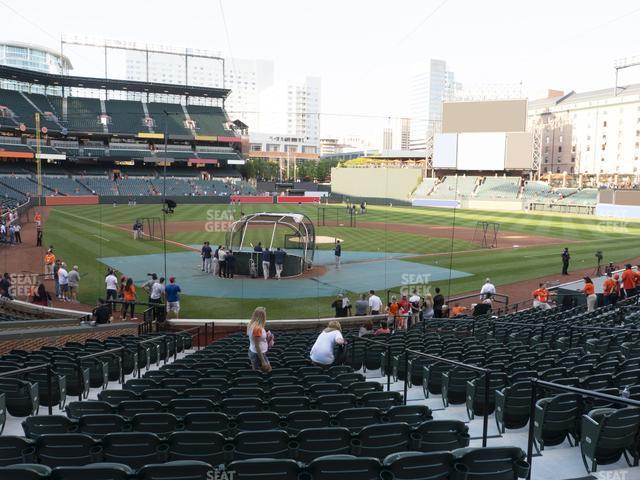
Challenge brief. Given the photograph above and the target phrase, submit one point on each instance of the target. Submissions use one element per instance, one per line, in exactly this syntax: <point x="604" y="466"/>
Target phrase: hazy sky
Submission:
<point x="364" y="50"/>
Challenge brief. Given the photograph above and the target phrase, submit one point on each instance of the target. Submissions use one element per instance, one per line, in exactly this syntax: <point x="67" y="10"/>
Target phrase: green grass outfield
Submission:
<point x="81" y="234"/>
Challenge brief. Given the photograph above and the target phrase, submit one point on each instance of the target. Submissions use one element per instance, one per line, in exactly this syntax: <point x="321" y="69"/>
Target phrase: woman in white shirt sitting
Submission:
<point x="322" y="350"/>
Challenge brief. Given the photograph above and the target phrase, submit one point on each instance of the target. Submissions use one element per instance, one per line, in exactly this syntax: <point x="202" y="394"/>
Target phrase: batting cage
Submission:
<point x="151" y="228"/>
<point x="292" y="232"/>
<point x="486" y="234"/>
<point x="343" y="216"/>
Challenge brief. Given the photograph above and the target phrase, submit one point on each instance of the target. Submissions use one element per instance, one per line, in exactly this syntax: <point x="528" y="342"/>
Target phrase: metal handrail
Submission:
<point x="197" y="334"/>
<point x="35" y="368"/>
<point x="563" y="388"/>
<point x="474" y="368"/>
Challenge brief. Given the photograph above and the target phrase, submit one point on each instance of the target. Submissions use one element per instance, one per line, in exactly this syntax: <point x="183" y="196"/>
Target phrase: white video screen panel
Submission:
<point x="481" y="151"/>
<point x="445" y="150"/>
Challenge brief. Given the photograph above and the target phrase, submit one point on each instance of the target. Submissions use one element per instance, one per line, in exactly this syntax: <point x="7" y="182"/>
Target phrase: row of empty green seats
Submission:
<point x="65" y="185"/>
<point x="425" y="187"/>
<point x="119" y="117"/>
<point x="454" y="186"/>
<point x="499" y="187"/>
<point x="585" y="196"/>
<point x="99" y="185"/>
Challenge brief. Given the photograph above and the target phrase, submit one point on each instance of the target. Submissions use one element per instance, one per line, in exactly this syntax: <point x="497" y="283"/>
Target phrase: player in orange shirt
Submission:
<point x="610" y="290"/>
<point x="628" y="281"/>
<point x="541" y="297"/>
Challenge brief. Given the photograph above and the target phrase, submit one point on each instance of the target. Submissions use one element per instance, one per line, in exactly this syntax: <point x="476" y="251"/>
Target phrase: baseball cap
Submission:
<point x="172" y="279"/>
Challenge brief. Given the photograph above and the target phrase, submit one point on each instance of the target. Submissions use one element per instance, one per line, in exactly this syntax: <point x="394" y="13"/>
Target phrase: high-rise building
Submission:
<point x="303" y="109"/>
<point x="246" y="78"/>
<point x="33" y="57"/>
<point x="430" y="87"/>
<point x="405" y="133"/>
<point x="387" y="138"/>
<point x="595" y="132"/>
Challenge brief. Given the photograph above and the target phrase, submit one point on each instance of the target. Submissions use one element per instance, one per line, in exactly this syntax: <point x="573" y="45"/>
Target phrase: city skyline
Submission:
<point x="365" y="75"/>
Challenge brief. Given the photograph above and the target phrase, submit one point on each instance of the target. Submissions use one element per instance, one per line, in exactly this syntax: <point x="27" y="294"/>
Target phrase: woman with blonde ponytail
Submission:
<point x="258" y="340"/>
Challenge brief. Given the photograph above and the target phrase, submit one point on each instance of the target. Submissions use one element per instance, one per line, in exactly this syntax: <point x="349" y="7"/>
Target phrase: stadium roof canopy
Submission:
<point x="53" y="80"/>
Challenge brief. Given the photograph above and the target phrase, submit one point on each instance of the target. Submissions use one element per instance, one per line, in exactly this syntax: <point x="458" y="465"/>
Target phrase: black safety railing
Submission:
<point x="386" y="345"/>
<point x="195" y="332"/>
<point x="473" y="368"/>
<point x="45" y="366"/>
<point x="111" y="351"/>
<point x="572" y="328"/>
<point x="153" y="308"/>
<point x="535" y="383"/>
<point x="496" y="297"/>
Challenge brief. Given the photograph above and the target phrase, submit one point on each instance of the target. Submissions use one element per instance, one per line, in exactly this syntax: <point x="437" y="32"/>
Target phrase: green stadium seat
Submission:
<point x="69" y="449"/>
<point x="207" y="422"/>
<point x="344" y="467"/>
<point x="513" y="405"/>
<point x="439" y="435"/>
<point x="93" y="471"/>
<point x="206" y="447"/>
<point x="15" y="450"/>
<point x="302" y="419"/>
<point x="182" y="469"/>
<point x="97" y="426"/>
<point x="312" y="443"/>
<point x="265" y="469"/>
<point x="90" y="407"/>
<point x="496" y="463"/>
<point x="381" y="440"/>
<point x="135" y="449"/>
<point x="608" y="434"/>
<point x="43" y="424"/>
<point x="22" y="398"/>
<point x="419" y="465"/>
<point x="355" y="419"/>
<point x="556" y="419"/>
<point x="26" y="471"/>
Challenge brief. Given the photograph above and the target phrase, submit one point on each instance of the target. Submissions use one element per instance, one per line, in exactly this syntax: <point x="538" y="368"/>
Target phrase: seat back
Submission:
<point x="183" y="469"/>
<point x="344" y="467"/>
<point x="497" y="463"/>
<point x="261" y="468"/>
<point x="134" y="449"/>
<point x="261" y="444"/>
<point x="381" y="440"/>
<point x="312" y="443"/>
<point x="56" y="450"/>
<point x="414" y="465"/>
<point x="201" y="446"/>
<point x="93" y="471"/>
<point x="301" y="419"/>
<point x="97" y="426"/>
<point x="439" y="435"/>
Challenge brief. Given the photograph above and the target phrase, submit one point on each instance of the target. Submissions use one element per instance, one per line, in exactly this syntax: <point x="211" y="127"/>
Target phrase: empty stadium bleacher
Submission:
<point x="499" y="187"/>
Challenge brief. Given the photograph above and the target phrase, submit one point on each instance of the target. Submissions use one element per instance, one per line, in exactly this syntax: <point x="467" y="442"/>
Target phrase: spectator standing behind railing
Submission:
<point x="129" y="297"/>
<point x="74" y="283"/>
